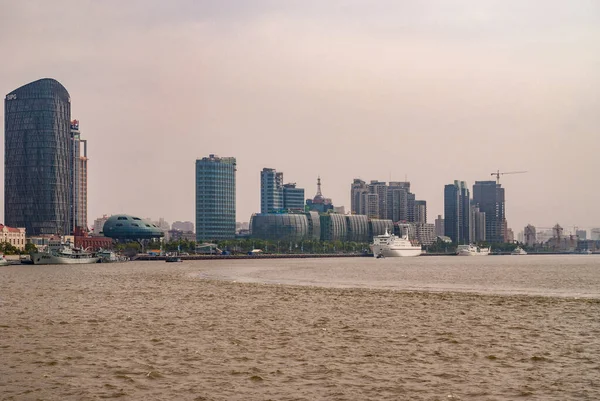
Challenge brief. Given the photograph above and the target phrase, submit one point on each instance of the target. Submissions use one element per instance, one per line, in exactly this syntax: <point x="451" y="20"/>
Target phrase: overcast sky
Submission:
<point x="431" y="90"/>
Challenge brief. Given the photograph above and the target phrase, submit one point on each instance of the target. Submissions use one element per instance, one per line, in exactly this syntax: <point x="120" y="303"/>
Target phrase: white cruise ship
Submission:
<point x="472" y="250"/>
<point x="389" y="245"/>
<point x="62" y="254"/>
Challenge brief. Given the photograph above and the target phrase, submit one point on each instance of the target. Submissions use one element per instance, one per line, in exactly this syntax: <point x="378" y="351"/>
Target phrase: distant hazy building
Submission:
<point x="339" y="209"/>
<point x="595" y="234"/>
<point x="179" y="235"/>
<point x="99" y="224"/>
<point x="377" y="199"/>
<point x="439" y="226"/>
<point x="37" y="160"/>
<point x="215" y="198"/>
<point x="581" y="234"/>
<point x="371" y="205"/>
<point x="457" y="212"/>
<point x="489" y="196"/>
<point x="79" y="174"/>
<point x="529" y="235"/>
<point x="420" y="212"/>
<point x="183" y="226"/>
<point x="477" y="224"/>
<point x="510" y="235"/>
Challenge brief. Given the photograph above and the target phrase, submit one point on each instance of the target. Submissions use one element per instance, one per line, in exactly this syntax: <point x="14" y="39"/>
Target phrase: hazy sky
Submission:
<point x="432" y="90"/>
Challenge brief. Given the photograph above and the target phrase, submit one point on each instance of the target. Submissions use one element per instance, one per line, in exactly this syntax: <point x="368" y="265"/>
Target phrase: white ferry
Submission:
<point x="472" y="250"/>
<point x="518" y="251"/>
<point x="59" y="253"/>
<point x="389" y="245"/>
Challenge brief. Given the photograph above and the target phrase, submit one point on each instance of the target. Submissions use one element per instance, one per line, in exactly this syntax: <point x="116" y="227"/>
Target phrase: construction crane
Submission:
<point x="498" y="174"/>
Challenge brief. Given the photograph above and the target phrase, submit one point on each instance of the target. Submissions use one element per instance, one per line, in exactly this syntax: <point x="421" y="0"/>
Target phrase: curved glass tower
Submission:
<point x="37" y="160"/>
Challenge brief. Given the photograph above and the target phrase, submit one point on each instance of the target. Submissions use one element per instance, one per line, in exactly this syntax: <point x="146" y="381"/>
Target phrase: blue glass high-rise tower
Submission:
<point x="37" y="161"/>
<point x="215" y="198"/>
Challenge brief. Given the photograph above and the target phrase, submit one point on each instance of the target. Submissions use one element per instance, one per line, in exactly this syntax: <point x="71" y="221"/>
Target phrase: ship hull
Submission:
<point x="40" y="258"/>
<point x="470" y="253"/>
<point x="395" y="252"/>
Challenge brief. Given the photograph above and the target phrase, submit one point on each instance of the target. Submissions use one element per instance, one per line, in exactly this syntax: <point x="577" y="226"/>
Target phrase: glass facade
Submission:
<point x="215" y="198"/>
<point x="489" y="197"/>
<point x="284" y="227"/>
<point x="457" y="212"/>
<point x="358" y="228"/>
<point x="37" y="162"/>
<point x="333" y="227"/>
<point x="379" y="226"/>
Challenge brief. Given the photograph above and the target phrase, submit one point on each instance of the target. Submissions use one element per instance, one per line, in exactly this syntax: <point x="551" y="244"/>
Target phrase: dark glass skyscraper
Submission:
<point x="215" y="198"/>
<point x="457" y="212"/>
<point x="37" y="160"/>
<point x="489" y="197"/>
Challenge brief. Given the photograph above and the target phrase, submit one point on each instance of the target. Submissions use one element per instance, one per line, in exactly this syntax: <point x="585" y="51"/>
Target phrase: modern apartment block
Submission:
<point x="489" y="197"/>
<point x="271" y="190"/>
<point x="390" y="201"/>
<point x="275" y="196"/>
<point x="38" y="162"/>
<point x="457" y="212"/>
<point x="215" y="198"/>
<point x="293" y="198"/>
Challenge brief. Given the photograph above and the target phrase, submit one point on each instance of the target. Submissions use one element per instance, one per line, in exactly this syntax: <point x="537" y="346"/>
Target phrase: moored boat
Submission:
<point x="3" y="261"/>
<point x="58" y="253"/>
<point x="518" y="251"/>
<point x="472" y="250"/>
<point x="390" y="245"/>
<point x="108" y="256"/>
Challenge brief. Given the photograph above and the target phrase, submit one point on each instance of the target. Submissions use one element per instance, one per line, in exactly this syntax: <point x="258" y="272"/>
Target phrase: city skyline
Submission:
<point x="370" y="80"/>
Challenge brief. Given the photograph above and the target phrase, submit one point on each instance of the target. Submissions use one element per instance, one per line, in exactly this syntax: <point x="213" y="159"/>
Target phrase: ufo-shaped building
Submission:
<point x="124" y="227"/>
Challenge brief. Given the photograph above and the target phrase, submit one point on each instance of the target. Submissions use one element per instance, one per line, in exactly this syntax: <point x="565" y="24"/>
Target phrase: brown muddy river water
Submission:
<point x="429" y="328"/>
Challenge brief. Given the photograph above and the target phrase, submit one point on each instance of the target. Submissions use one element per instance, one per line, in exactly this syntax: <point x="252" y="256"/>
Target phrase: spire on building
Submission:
<point x="319" y="194"/>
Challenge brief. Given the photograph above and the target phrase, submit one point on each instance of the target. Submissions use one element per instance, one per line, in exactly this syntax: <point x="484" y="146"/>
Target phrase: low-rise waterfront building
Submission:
<point x="13" y="235"/>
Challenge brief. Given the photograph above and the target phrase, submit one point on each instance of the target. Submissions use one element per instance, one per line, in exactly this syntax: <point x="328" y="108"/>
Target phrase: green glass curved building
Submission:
<point x="129" y="228"/>
<point x="37" y="161"/>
